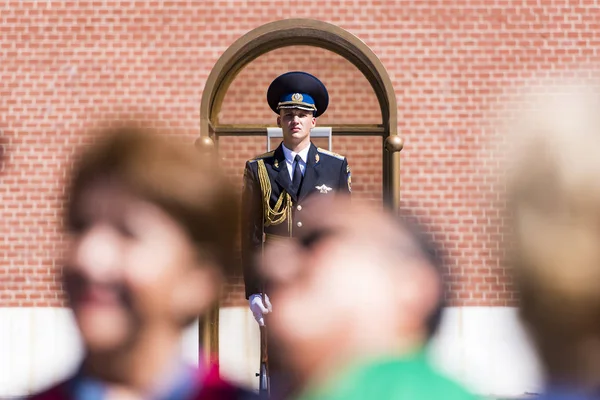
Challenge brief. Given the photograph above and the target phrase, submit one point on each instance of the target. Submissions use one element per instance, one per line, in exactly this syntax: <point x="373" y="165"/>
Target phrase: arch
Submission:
<point x="316" y="33"/>
<point x="309" y="32"/>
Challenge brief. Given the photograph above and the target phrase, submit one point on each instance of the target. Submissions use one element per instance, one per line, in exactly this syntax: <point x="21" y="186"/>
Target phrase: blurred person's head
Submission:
<point x="152" y="230"/>
<point x="358" y="283"/>
<point x="554" y="205"/>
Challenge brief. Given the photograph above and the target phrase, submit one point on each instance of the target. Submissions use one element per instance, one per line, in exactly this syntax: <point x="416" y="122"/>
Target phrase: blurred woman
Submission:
<point x="152" y="229"/>
<point x="554" y="198"/>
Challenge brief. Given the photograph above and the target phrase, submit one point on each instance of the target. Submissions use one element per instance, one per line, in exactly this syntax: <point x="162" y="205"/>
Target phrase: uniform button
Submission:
<point x="299" y="224"/>
<point x="299" y="208"/>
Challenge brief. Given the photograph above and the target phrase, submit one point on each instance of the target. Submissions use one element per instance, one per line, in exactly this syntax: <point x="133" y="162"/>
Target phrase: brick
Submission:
<point x="453" y="64"/>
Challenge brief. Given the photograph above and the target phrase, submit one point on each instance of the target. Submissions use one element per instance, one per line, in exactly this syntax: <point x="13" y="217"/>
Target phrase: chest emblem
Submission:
<point x="323" y="189"/>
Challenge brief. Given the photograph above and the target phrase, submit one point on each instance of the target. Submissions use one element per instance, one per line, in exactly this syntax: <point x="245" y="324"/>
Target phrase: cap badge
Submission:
<point x="297" y="97"/>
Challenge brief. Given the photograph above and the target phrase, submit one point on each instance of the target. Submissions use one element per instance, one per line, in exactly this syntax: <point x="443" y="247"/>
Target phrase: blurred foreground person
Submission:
<point x="554" y="199"/>
<point x="152" y="228"/>
<point x="358" y="296"/>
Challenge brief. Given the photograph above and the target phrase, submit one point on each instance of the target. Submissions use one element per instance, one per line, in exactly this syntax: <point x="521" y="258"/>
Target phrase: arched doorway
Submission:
<point x="292" y="32"/>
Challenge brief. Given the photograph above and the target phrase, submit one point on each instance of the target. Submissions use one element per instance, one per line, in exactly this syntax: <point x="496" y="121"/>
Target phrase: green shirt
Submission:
<point x="409" y="378"/>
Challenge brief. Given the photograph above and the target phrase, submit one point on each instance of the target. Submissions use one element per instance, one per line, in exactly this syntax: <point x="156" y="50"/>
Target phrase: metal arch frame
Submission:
<point x="290" y="32"/>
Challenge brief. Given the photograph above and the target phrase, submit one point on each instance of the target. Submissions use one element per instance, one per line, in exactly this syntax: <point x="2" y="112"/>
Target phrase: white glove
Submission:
<point x="259" y="308"/>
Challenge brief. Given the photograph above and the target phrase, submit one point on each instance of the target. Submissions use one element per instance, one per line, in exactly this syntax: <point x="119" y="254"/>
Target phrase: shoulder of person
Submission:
<point x="57" y="392"/>
<point x="263" y="156"/>
<point x="328" y="153"/>
<point x="214" y="387"/>
<point x="441" y="384"/>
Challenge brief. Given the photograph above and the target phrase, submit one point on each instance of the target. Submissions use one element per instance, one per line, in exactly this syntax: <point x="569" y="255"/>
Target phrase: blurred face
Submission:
<point x="324" y="292"/>
<point x="296" y="125"/>
<point x="130" y="268"/>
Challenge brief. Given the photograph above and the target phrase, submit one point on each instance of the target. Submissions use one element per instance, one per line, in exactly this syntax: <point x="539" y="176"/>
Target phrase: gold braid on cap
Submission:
<point x="283" y="208"/>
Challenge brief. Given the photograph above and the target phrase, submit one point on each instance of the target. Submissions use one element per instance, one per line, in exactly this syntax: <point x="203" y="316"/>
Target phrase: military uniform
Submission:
<point x="277" y="185"/>
<point x="274" y="193"/>
<point x="267" y="186"/>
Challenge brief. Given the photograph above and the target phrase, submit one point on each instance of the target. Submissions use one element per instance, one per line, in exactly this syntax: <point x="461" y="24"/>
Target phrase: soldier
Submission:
<point x="152" y="228"/>
<point x="277" y="183"/>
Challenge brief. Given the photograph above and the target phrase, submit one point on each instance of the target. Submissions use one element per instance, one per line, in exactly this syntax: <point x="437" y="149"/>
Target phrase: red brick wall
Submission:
<point x="63" y="65"/>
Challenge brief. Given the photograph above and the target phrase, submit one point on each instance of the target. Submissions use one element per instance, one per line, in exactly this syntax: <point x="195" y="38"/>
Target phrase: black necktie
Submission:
<point x="297" y="181"/>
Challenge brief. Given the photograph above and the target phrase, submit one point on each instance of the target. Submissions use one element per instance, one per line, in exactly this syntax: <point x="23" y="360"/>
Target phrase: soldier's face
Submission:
<point x="128" y="270"/>
<point x="296" y="124"/>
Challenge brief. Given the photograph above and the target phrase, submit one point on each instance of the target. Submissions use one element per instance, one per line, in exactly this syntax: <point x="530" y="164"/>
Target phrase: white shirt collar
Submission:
<point x="290" y="155"/>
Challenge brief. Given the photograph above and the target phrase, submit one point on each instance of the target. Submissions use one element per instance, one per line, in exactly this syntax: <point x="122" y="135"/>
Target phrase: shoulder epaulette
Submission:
<point x="330" y="153"/>
<point x="264" y="155"/>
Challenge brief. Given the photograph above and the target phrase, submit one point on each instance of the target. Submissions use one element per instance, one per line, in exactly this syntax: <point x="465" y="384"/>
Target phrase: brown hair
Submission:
<point x="554" y="201"/>
<point x="189" y="186"/>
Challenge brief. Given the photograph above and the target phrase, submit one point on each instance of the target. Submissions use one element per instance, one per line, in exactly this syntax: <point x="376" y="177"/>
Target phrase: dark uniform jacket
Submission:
<point x="326" y="173"/>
